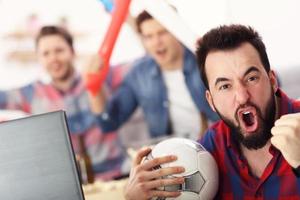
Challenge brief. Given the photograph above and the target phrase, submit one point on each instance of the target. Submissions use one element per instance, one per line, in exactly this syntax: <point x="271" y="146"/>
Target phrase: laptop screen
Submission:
<point x="37" y="160"/>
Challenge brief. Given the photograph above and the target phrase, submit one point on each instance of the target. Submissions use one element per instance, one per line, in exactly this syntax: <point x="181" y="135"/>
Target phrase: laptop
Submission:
<point x="37" y="160"/>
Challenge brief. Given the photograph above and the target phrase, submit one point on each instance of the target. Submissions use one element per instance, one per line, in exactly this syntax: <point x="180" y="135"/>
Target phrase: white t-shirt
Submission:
<point x="184" y="115"/>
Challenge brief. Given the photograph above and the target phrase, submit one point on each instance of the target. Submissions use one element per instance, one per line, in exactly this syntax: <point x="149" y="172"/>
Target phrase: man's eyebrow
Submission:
<point x="251" y="69"/>
<point x="218" y="80"/>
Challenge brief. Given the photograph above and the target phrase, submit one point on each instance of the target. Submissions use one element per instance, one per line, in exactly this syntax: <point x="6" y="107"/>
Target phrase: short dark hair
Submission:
<point x="229" y="37"/>
<point x="143" y="16"/>
<point x="54" y="30"/>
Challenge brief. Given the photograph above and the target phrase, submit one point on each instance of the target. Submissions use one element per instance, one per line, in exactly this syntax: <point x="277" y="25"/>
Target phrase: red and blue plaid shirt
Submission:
<point x="104" y="149"/>
<point x="235" y="180"/>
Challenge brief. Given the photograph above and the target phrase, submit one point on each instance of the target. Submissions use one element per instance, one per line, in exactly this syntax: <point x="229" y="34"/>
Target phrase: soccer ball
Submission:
<point x="201" y="171"/>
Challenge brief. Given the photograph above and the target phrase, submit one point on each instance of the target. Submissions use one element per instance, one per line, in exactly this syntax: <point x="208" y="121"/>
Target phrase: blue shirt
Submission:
<point x="144" y="86"/>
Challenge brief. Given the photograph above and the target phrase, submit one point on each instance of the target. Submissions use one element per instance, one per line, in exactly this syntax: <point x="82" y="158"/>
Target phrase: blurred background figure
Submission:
<point x="165" y="84"/>
<point x="55" y="52"/>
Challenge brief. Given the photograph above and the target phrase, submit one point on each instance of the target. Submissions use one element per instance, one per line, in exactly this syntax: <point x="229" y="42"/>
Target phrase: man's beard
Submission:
<point x="259" y="138"/>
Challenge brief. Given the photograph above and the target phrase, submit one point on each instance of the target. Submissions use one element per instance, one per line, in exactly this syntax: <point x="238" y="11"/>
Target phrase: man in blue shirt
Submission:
<point x="165" y="84"/>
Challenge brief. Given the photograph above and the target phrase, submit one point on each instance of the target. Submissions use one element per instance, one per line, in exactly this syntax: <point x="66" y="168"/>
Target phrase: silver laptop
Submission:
<point x="36" y="159"/>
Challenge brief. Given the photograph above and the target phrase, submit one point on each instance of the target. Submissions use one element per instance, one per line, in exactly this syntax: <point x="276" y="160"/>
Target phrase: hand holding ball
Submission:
<point x="201" y="172"/>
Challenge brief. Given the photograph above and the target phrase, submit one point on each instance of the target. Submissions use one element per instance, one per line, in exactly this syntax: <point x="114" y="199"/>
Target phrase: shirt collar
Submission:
<point x="75" y="79"/>
<point x="285" y="103"/>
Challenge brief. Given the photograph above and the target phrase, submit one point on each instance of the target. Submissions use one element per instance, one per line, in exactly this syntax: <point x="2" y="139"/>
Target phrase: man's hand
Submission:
<point x="286" y="138"/>
<point x="93" y="66"/>
<point x="97" y="100"/>
<point x="144" y="181"/>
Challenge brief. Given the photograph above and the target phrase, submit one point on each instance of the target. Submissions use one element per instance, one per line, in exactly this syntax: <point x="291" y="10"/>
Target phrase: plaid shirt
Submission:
<point x="104" y="149"/>
<point x="235" y="180"/>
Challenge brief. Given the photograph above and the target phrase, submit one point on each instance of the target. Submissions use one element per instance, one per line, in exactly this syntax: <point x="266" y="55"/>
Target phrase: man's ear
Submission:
<point x="274" y="80"/>
<point x="209" y="100"/>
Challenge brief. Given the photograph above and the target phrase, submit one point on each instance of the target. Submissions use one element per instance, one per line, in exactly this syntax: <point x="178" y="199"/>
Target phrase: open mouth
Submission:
<point x="248" y="120"/>
<point x="161" y="52"/>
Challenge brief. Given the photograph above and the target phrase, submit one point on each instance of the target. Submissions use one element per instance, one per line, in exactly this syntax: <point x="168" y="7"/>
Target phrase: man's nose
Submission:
<point x="157" y="40"/>
<point x="52" y="57"/>
<point x="241" y="94"/>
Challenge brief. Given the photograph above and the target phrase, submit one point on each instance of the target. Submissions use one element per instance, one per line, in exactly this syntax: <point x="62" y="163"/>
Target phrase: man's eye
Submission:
<point x="163" y="32"/>
<point x="59" y="50"/>
<point x="224" y="87"/>
<point x="45" y="54"/>
<point x="147" y="37"/>
<point x="252" y="78"/>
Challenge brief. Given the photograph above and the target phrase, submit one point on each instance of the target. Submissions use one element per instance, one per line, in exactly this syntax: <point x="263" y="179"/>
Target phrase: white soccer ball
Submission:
<point x="201" y="171"/>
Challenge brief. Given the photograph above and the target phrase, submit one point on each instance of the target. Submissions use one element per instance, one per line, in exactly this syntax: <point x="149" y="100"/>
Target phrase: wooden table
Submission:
<point x="112" y="190"/>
